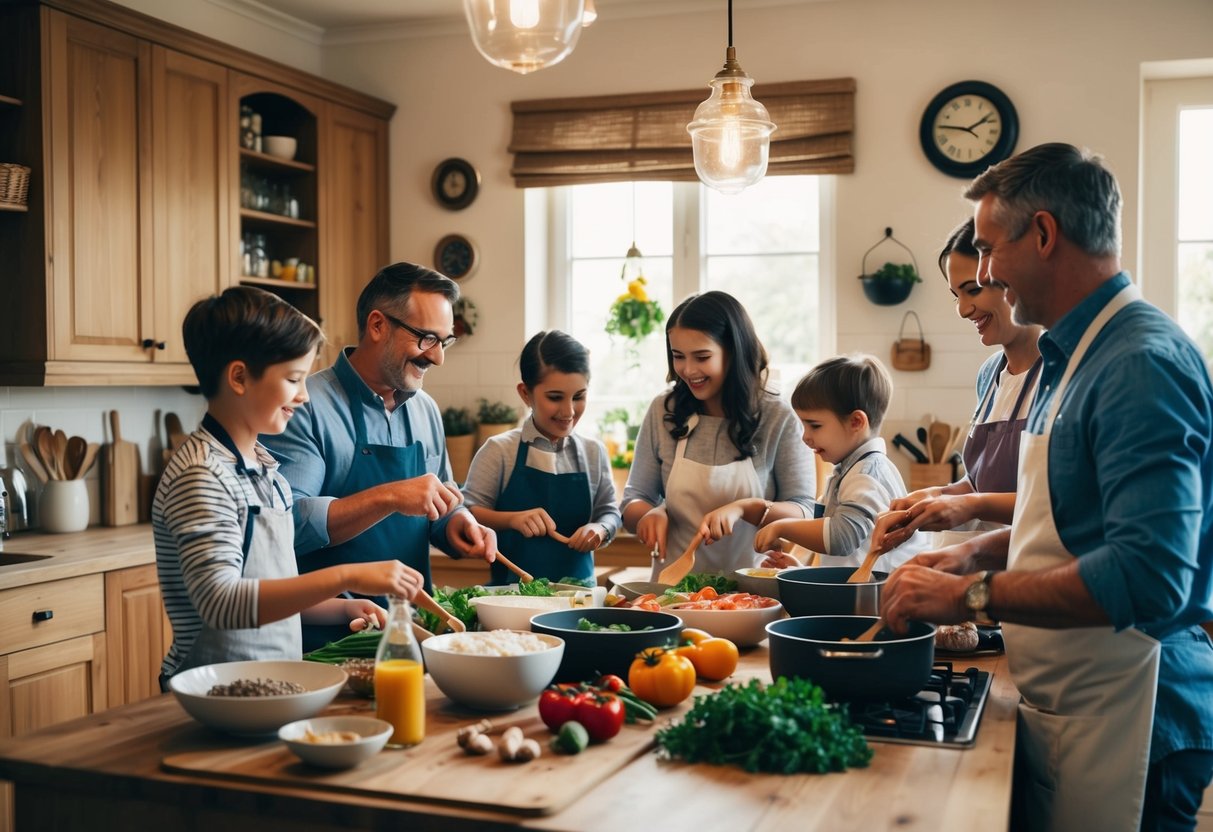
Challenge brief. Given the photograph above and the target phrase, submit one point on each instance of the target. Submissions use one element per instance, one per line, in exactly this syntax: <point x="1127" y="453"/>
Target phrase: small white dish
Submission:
<point x="372" y="734"/>
<point x="283" y="147"/>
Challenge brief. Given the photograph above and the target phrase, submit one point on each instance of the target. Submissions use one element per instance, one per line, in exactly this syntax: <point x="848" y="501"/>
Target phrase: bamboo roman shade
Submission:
<point x="611" y="138"/>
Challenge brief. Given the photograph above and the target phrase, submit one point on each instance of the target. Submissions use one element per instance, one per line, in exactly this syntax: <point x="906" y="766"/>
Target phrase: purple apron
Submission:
<point x="991" y="453"/>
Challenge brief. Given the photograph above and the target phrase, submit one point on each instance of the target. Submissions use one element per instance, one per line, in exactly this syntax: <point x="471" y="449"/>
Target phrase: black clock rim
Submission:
<point x="470" y="174"/>
<point x="447" y="241"/>
<point x="1002" y="148"/>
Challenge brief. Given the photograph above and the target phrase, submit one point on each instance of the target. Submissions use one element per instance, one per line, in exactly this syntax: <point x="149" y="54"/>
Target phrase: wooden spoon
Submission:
<point x="425" y="600"/>
<point x="73" y="457"/>
<point x="941" y="440"/>
<point x="864" y="573"/>
<point x="870" y="633"/>
<point x="679" y="569"/>
<point x="35" y="465"/>
<point x="523" y="576"/>
<point x="90" y="456"/>
<point x="44" y="444"/>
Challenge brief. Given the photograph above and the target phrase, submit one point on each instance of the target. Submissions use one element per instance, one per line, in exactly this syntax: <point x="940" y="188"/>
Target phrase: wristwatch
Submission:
<point x="977" y="597"/>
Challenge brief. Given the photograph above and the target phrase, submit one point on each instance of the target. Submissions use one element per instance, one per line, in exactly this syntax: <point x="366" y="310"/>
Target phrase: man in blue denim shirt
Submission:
<point x="1110" y="556"/>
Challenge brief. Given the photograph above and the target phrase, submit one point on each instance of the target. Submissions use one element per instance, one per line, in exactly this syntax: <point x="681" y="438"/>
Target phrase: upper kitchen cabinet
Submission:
<point x="147" y="193"/>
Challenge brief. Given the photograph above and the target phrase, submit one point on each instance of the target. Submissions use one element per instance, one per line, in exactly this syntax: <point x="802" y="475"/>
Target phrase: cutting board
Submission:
<point x="437" y="770"/>
<point x="120" y="484"/>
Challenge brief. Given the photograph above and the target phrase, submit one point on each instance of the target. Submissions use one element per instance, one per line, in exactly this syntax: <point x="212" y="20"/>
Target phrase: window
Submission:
<point x="761" y="246"/>
<point x="1177" y="193"/>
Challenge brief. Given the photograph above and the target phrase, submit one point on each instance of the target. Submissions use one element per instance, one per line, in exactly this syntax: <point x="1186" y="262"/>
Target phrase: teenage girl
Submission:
<point x="541" y="483"/>
<point x="717" y="454"/>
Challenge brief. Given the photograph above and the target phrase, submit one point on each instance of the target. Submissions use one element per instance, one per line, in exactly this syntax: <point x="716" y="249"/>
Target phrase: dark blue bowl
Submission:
<point x="590" y="653"/>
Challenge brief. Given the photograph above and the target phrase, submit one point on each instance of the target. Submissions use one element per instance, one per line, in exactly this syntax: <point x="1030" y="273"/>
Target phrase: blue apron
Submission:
<point x="396" y="535"/>
<point x="991" y="453"/>
<point x="566" y="498"/>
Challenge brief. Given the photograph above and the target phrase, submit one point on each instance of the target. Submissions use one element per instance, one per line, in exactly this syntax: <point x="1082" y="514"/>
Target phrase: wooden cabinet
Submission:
<point x="131" y="128"/>
<point x="137" y="632"/>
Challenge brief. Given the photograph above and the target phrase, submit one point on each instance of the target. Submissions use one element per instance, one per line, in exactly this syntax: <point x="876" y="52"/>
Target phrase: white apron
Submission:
<point x="1088" y="693"/>
<point x="691" y="491"/>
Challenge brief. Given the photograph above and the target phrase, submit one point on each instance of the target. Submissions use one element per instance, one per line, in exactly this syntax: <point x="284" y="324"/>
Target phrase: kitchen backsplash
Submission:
<point x="84" y="411"/>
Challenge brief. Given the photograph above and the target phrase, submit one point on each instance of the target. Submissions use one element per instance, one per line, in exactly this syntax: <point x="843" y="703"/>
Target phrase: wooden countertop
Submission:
<point x="98" y="549"/>
<point x="104" y="772"/>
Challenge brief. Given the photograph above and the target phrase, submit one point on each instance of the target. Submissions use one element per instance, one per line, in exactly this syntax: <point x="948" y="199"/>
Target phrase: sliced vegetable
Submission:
<point x="661" y="677"/>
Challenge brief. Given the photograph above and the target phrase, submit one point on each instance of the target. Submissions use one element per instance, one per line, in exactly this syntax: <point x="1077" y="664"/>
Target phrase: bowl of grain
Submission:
<point x="256" y="698"/>
<point x="336" y="741"/>
<point x="494" y="670"/>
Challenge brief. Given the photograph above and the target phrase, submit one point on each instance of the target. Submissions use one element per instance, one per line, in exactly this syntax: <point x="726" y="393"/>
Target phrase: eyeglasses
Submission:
<point x="425" y="340"/>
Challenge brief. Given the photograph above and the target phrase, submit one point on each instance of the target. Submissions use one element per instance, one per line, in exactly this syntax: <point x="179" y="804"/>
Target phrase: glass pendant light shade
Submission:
<point x="731" y="133"/>
<point x="633" y="265"/>
<point x="524" y="35"/>
<point x="591" y="14"/>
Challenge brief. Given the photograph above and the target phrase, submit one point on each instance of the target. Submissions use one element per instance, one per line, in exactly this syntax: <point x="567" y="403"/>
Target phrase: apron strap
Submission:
<point x="987" y="396"/>
<point x="837" y="477"/>
<point x="1033" y="372"/>
<point x="680" y="449"/>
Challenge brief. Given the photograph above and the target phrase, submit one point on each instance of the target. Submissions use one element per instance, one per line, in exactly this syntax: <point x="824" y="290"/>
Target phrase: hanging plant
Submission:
<point x="466" y="315"/>
<point x="634" y="314"/>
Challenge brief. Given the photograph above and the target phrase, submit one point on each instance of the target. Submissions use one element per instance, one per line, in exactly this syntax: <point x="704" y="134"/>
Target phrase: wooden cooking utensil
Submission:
<point x="60" y="445"/>
<point x="870" y="633"/>
<point x="121" y="478"/>
<point x="679" y="569"/>
<point x="864" y="573"/>
<point x="90" y="456"/>
<point x="523" y="576"/>
<point x="35" y="465"/>
<point x="940" y="435"/>
<point x="425" y="600"/>
<point x="173" y="430"/>
<point x="73" y="457"/>
<point x="44" y="445"/>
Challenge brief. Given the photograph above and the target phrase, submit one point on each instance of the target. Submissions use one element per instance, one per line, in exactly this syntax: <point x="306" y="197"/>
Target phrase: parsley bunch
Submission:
<point x="785" y="727"/>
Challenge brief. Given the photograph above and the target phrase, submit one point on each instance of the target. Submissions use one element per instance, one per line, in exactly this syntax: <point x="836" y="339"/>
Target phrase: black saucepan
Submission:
<point x="888" y="667"/>
<point x="823" y="590"/>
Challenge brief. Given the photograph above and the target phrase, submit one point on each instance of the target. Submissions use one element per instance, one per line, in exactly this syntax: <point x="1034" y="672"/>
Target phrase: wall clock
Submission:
<point x="456" y="256"/>
<point x="968" y="127"/>
<point x="455" y="183"/>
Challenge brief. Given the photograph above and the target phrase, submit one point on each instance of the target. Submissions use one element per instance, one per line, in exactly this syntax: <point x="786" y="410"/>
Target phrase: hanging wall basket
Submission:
<point x="892" y="282"/>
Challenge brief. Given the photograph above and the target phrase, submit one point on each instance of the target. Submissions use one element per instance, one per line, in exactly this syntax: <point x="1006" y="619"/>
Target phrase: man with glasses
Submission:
<point x="366" y="457"/>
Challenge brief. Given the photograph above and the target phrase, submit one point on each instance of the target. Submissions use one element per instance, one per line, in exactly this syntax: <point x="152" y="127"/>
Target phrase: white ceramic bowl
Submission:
<point x="513" y="612"/>
<point x="283" y="147"/>
<point x="744" y="628"/>
<point x="758" y="581"/>
<point x="372" y="734"/>
<point x="491" y="683"/>
<point x="634" y="589"/>
<point x="256" y="715"/>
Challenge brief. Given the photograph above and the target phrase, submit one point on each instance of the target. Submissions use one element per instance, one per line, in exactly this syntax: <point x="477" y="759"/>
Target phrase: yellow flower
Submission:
<point x="623" y="297"/>
<point x="636" y="290"/>
<point x="628" y="455"/>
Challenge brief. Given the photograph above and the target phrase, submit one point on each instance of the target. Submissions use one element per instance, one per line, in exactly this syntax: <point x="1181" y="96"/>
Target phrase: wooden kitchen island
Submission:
<point x="106" y="771"/>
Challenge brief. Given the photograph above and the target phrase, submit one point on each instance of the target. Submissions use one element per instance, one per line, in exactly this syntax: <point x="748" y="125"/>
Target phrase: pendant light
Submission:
<point x="591" y="14"/>
<point x="524" y="35"/>
<point x="633" y="261"/>
<point x="731" y="133"/>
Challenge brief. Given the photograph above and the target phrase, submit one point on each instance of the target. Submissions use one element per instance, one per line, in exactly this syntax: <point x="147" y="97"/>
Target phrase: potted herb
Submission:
<point x="890" y="284"/>
<point x="460" y="430"/>
<point x="619" y="435"/>
<point x="493" y="418"/>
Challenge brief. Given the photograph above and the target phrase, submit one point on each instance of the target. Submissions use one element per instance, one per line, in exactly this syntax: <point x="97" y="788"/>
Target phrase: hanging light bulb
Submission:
<point x="591" y="14"/>
<point x="731" y="133"/>
<point x="633" y="265"/>
<point x="525" y="35"/>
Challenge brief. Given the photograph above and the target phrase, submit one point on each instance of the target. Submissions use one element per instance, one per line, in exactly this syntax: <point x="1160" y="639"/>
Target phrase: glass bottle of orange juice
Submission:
<point x="400" y="677"/>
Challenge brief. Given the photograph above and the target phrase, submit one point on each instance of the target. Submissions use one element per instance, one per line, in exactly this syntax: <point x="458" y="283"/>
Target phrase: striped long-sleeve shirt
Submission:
<point x="199" y="517"/>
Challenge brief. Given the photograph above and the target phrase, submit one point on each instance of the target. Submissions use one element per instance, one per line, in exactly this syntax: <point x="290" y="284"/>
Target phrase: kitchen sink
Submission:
<point x="15" y="558"/>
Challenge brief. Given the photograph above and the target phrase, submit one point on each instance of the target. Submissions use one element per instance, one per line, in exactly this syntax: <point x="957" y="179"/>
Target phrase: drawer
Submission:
<point x="76" y="605"/>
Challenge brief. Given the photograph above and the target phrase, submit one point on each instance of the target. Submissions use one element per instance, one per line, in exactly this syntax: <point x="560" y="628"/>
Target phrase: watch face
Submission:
<point x="968" y="127"/>
<point x="455" y="184"/>
<point x="455" y="256"/>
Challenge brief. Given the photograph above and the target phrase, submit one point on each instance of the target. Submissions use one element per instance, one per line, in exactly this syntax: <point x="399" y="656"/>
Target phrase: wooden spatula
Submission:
<point x="523" y="576"/>
<point x="426" y="601"/>
<point x="870" y="633"/>
<point x="679" y="569"/>
<point x="864" y="573"/>
<point x="35" y="465"/>
<point x="941" y="439"/>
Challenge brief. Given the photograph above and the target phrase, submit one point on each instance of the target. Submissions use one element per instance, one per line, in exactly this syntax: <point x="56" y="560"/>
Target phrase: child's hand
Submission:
<point x="588" y="538"/>
<point x="534" y="522"/>
<point x="718" y="524"/>
<point x="768" y="536"/>
<point x="364" y="614"/>
<point x="385" y="577"/>
<point x="776" y="559"/>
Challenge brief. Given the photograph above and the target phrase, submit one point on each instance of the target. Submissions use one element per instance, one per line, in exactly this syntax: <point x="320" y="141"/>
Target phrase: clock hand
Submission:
<point x="984" y="119"/>
<point x="968" y="130"/>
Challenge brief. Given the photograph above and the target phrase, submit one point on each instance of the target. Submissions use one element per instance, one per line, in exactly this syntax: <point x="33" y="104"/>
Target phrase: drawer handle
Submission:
<point x="43" y="615"/>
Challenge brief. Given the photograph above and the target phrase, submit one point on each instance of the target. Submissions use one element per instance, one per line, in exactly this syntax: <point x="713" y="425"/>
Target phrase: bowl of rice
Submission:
<point x="493" y="670"/>
<point x="256" y="698"/>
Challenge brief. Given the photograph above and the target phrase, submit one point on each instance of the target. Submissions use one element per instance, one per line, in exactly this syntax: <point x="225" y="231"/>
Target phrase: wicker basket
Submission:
<point x="14" y="183"/>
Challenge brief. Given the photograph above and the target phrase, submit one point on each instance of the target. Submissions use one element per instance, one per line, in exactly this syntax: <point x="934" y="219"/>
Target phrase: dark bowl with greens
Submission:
<point x="601" y="640"/>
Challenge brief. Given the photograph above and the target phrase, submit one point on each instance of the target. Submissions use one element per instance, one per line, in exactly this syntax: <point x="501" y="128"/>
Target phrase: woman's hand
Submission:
<point x="588" y="538"/>
<point x="767" y="538"/>
<point x="534" y="522"/>
<point x="915" y="497"/>
<point x="364" y="614"/>
<point x="936" y="514"/>
<point x="384" y="577"/>
<point x="652" y="529"/>
<point x="718" y="524"/>
<point x="776" y="559"/>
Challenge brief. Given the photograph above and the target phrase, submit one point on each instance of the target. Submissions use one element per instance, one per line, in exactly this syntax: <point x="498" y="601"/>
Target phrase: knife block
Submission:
<point x="927" y="475"/>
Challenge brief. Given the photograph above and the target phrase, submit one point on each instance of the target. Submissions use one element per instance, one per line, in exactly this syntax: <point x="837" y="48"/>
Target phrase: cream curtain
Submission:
<point x="611" y="138"/>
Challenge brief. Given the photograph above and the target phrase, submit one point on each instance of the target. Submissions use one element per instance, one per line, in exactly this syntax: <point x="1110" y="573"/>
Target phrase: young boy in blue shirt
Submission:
<point x="842" y="403"/>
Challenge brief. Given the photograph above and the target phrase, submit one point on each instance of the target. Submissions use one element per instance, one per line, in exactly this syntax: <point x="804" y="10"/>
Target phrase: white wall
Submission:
<point x="1072" y="68"/>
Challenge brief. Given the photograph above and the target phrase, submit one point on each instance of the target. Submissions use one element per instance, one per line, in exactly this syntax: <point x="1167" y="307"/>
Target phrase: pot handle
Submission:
<point x="850" y="654"/>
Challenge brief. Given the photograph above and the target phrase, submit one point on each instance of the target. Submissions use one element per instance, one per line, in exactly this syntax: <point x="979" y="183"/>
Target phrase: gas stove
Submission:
<point x="945" y="713"/>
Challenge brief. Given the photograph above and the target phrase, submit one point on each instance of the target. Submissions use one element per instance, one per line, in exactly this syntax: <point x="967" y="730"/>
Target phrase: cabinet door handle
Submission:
<point x="148" y="343"/>
<point x="160" y="345"/>
<point x="43" y="615"/>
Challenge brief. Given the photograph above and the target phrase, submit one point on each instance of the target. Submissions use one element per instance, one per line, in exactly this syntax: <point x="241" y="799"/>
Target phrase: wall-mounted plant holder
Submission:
<point x="892" y="282"/>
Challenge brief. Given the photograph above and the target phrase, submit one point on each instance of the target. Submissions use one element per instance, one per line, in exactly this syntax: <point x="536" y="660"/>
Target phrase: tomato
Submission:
<point x="714" y="658"/>
<point x="693" y="636"/>
<point x="558" y="704"/>
<point x="601" y="714"/>
<point x="661" y="677"/>
<point x="612" y="683"/>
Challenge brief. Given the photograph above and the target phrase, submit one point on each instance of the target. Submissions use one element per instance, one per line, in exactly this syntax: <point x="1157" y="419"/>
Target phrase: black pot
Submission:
<point x="884" y="292"/>
<point x="888" y="667"/>
<point x="823" y="590"/>
<point x="590" y="653"/>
